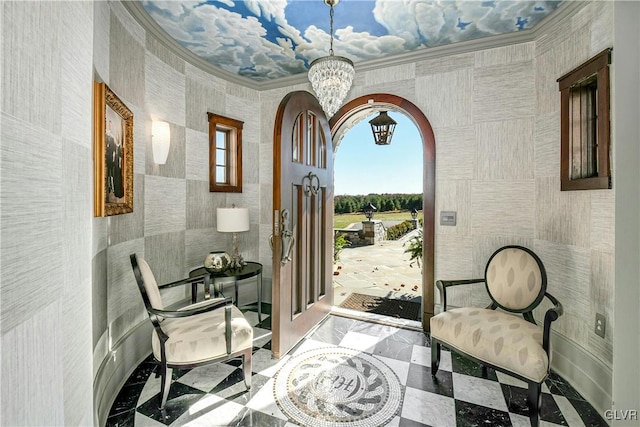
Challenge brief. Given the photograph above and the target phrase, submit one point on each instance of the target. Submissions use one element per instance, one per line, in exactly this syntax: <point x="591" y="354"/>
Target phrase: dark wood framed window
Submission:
<point x="225" y="154"/>
<point x="309" y="143"/>
<point x="584" y="125"/>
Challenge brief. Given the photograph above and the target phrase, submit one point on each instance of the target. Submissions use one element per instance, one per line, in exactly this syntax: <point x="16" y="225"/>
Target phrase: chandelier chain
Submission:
<point x="331" y="29"/>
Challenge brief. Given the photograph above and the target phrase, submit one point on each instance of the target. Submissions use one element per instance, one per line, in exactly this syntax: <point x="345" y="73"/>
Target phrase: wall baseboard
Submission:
<point x="116" y="368"/>
<point x="588" y="375"/>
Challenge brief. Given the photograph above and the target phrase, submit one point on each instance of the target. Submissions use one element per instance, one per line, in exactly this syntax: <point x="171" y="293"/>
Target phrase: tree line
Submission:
<point x="383" y="202"/>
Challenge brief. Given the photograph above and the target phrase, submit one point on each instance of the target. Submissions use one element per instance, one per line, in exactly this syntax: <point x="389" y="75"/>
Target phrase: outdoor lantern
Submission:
<point x="369" y="210"/>
<point x="382" y="128"/>
<point x="414" y="213"/>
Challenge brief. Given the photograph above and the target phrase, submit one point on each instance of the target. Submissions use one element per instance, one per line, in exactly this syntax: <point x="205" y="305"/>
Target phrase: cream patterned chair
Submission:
<point x="516" y="282"/>
<point x="205" y="332"/>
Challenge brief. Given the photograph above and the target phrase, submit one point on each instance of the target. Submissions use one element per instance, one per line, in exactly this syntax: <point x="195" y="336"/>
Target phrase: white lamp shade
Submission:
<point x="233" y="220"/>
<point x="160" y="140"/>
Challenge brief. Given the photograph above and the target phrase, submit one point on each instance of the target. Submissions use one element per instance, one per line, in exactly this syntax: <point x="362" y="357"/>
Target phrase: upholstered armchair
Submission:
<point x="496" y="336"/>
<point x="208" y="331"/>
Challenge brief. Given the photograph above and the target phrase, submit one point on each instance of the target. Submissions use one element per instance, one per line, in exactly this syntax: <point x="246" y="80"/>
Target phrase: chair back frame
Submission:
<point x="155" y="320"/>
<point x="527" y="312"/>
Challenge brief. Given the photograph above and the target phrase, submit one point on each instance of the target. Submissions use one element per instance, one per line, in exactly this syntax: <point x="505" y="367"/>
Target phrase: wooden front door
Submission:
<point x="302" y="220"/>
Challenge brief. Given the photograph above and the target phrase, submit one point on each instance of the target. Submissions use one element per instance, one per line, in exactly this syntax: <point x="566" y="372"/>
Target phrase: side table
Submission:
<point x="251" y="269"/>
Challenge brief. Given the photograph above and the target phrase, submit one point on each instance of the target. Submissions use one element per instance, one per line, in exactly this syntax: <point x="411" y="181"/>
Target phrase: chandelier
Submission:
<point x="331" y="76"/>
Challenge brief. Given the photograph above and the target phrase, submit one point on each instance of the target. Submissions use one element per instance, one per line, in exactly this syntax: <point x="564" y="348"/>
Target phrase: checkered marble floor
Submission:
<point x="215" y="395"/>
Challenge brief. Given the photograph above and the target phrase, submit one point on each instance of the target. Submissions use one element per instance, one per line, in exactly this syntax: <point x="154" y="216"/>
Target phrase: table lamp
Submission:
<point x="234" y="220"/>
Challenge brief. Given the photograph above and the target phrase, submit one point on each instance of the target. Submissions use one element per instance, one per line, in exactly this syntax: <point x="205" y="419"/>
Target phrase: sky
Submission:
<point x="361" y="167"/>
<point x="268" y="39"/>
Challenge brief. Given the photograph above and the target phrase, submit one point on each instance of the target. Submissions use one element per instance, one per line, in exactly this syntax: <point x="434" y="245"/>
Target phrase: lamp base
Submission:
<point x="237" y="262"/>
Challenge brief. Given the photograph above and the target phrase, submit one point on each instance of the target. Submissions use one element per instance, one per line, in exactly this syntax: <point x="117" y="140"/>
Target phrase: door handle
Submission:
<point x="286" y="238"/>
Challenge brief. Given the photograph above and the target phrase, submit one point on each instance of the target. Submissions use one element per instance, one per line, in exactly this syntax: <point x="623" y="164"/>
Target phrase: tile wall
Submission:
<point x="45" y="220"/>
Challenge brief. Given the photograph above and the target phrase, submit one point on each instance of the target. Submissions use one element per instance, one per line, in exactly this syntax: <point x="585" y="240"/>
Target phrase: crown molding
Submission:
<point x="138" y="12"/>
<point x="566" y="9"/>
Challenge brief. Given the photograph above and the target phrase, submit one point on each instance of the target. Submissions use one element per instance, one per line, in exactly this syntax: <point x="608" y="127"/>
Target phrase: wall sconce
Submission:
<point x="382" y="128"/>
<point x="233" y="220"/>
<point x="160" y="141"/>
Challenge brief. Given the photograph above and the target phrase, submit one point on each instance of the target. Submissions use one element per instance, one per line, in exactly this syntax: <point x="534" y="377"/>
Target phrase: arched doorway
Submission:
<point x="357" y="110"/>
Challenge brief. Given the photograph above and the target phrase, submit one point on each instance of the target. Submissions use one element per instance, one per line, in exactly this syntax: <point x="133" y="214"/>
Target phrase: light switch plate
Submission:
<point x="448" y="217"/>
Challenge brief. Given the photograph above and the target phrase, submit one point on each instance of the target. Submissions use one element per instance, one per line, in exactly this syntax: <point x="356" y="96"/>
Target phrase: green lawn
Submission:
<point x="343" y="220"/>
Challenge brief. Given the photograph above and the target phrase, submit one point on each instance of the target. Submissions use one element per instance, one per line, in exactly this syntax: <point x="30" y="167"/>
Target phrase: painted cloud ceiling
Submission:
<point x="268" y="39"/>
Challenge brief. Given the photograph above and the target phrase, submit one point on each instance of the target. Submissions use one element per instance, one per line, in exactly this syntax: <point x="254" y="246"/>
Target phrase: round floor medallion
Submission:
<point x="337" y="387"/>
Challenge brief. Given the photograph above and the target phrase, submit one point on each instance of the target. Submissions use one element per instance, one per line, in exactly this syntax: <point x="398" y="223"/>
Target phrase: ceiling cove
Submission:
<point x="267" y="44"/>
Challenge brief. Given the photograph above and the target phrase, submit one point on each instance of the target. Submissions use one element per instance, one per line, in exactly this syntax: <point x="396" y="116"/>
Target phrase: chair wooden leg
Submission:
<point x="165" y="384"/>
<point x="246" y="367"/>
<point x="435" y="356"/>
<point x="534" y="399"/>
